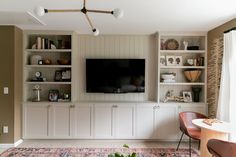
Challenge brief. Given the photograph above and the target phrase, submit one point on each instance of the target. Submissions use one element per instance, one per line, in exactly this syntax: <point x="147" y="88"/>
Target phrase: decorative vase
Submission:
<point x="196" y="93"/>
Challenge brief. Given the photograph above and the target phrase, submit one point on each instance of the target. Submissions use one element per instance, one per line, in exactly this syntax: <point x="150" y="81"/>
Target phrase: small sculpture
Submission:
<point x="169" y="97"/>
<point x="185" y="45"/>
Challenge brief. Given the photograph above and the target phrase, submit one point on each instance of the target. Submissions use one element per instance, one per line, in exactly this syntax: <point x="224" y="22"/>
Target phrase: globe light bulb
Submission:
<point x="118" y="13"/>
<point x="95" y="32"/>
<point x="40" y="11"/>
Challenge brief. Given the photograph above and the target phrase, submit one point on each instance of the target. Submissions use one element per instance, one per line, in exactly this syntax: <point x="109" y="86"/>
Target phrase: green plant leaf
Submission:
<point x="134" y="155"/>
<point x="126" y="146"/>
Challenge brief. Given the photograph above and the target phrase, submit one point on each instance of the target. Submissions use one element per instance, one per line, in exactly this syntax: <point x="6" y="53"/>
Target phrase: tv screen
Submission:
<point x="115" y="75"/>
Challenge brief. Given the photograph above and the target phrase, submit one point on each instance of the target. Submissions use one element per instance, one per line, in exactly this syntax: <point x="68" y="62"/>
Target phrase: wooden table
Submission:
<point x="217" y="131"/>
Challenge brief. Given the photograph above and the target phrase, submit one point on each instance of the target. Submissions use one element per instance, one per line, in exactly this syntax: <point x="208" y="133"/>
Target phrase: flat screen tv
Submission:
<point x="115" y="75"/>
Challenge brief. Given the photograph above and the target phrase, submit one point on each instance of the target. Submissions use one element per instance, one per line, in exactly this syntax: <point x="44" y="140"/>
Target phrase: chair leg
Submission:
<point x="180" y="141"/>
<point x="199" y="143"/>
<point x="190" y="146"/>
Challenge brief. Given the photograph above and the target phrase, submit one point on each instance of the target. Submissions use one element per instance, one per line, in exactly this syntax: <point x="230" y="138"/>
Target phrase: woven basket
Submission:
<point x="192" y="75"/>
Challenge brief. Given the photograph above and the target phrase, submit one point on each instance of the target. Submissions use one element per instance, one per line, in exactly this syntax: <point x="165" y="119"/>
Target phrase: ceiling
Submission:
<point x="141" y="16"/>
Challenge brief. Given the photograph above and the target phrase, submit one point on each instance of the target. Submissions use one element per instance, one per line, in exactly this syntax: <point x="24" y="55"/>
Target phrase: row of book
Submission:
<point x="44" y="43"/>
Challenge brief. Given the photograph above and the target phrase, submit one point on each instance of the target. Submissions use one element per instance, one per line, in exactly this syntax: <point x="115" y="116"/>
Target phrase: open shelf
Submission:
<point x="48" y="66"/>
<point x="183" y="67"/>
<point x="182" y="51"/>
<point x="48" y="83"/>
<point x="185" y="83"/>
<point x="49" y="50"/>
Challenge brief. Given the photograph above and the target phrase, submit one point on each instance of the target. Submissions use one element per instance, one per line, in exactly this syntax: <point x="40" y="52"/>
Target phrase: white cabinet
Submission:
<point x="193" y="107"/>
<point x="60" y="121"/>
<point x="166" y="122"/>
<point x="124" y="121"/>
<point x="145" y="121"/>
<point x="103" y="121"/>
<point x="82" y="120"/>
<point x="36" y="120"/>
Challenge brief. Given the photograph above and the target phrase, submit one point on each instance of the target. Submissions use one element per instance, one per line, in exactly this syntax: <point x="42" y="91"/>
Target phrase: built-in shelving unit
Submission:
<point x="42" y="52"/>
<point x="180" y="83"/>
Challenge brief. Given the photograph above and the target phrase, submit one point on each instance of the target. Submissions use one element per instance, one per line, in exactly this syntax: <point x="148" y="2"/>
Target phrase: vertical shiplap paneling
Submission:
<point x="117" y="46"/>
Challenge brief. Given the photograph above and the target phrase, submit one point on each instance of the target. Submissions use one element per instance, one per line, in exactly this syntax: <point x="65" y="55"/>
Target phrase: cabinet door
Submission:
<point x="82" y="120"/>
<point x="124" y="121"/>
<point x="145" y="121"/>
<point x="103" y="121"/>
<point x="60" y="121"/>
<point x="35" y="122"/>
<point x="166" y="122"/>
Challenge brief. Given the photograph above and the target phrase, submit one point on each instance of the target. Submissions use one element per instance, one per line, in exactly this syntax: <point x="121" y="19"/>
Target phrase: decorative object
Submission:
<point x="162" y="60"/>
<point x="185" y="45"/>
<point x="163" y="46"/>
<point x="168" y="77"/>
<point x="193" y="48"/>
<point x="47" y="61"/>
<point x="63" y="61"/>
<point x="58" y="75"/>
<point x="65" y="75"/>
<point x="40" y="62"/>
<point x="171" y="44"/>
<point x="170" y="60"/>
<point x="196" y="93"/>
<point x="190" y="62"/>
<point x="117" y="13"/>
<point x="192" y="75"/>
<point x="170" y="97"/>
<point x="211" y="121"/>
<point x="201" y="61"/>
<point x="39" y="43"/>
<point x="187" y="95"/>
<point x="53" y="95"/>
<point x="34" y="59"/>
<point x="36" y="93"/>
<point x="38" y="77"/>
<point x="95" y="152"/>
<point x="178" y="60"/>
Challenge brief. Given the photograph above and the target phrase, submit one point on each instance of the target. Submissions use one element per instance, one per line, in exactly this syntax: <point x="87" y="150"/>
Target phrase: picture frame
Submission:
<point x="170" y="60"/>
<point x="53" y="95"/>
<point x="178" y="60"/>
<point x="58" y="76"/>
<point x="162" y="60"/>
<point x="187" y="96"/>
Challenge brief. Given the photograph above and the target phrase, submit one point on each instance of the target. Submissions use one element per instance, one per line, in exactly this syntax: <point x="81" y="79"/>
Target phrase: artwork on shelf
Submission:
<point x="162" y="60"/>
<point x="170" y="97"/>
<point x="187" y="95"/>
<point x="178" y="60"/>
<point x="53" y="95"/>
<point x="170" y="60"/>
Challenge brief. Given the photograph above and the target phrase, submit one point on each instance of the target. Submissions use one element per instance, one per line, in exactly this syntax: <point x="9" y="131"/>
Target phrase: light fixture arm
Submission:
<point x="99" y="11"/>
<point x="89" y="21"/>
<point x="61" y="10"/>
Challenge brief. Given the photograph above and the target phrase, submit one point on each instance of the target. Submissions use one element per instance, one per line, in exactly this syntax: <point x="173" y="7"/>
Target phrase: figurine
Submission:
<point x="185" y="45"/>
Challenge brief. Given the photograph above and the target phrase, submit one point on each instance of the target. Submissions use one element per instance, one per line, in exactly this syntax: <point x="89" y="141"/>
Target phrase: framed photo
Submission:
<point x="170" y="60"/>
<point x="162" y="60"/>
<point x="178" y="60"/>
<point x="187" y="95"/>
<point x="58" y="75"/>
<point x="53" y="95"/>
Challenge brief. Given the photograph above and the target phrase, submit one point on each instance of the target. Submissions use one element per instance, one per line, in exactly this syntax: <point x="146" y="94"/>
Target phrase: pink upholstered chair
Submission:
<point x="219" y="148"/>
<point x="188" y="128"/>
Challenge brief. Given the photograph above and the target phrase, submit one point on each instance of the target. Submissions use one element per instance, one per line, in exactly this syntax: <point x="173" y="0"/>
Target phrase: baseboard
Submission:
<point x="9" y="145"/>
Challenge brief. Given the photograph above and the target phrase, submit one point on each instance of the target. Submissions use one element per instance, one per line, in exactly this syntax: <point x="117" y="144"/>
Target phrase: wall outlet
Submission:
<point x="5" y="129"/>
<point x="5" y="90"/>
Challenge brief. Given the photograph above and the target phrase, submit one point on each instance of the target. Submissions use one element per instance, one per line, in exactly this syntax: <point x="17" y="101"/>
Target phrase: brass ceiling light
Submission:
<point x="117" y="13"/>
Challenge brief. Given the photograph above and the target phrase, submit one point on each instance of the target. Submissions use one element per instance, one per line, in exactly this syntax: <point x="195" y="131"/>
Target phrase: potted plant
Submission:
<point x="117" y="154"/>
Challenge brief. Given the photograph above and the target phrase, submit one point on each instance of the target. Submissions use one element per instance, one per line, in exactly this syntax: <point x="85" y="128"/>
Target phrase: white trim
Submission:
<point x="9" y="145"/>
<point x="17" y="143"/>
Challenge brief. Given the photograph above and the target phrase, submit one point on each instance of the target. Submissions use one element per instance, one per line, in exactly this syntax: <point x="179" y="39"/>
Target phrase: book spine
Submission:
<point x="43" y="43"/>
<point x="38" y="43"/>
<point x="46" y="44"/>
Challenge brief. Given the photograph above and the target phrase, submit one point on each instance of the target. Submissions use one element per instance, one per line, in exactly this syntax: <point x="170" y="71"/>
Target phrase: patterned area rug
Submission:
<point x="94" y="152"/>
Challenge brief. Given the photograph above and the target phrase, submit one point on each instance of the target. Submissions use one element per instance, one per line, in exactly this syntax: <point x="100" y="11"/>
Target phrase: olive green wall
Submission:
<point x="10" y="110"/>
<point x="218" y="31"/>
<point x="214" y="60"/>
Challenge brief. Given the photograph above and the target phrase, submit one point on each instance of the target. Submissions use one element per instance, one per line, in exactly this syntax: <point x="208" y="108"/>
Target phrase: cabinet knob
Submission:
<point x="72" y="106"/>
<point x="155" y="107"/>
<point x="158" y="107"/>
